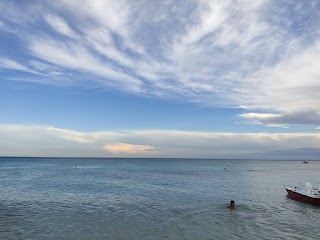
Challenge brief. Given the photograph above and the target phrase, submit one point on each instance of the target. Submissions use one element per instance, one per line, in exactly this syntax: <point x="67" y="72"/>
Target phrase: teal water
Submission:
<point x="56" y="198"/>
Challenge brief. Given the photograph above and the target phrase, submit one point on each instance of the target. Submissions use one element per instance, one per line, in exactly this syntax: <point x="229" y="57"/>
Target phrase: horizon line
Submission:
<point x="167" y="158"/>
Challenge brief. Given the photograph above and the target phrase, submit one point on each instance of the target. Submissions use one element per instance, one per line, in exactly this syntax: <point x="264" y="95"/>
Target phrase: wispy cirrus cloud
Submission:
<point x="9" y="64"/>
<point x="59" y="25"/>
<point x="289" y="90"/>
<point x="217" y="53"/>
<point x="43" y="140"/>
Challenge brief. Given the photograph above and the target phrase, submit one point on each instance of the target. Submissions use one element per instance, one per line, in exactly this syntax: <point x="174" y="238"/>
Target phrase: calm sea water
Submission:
<point x="48" y="198"/>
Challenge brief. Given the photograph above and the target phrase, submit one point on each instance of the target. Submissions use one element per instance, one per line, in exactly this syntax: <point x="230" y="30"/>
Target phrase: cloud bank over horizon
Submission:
<point x="262" y="55"/>
<point x="49" y="141"/>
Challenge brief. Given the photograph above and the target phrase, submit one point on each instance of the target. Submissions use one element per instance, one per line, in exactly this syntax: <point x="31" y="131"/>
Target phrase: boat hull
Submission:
<point x="301" y="197"/>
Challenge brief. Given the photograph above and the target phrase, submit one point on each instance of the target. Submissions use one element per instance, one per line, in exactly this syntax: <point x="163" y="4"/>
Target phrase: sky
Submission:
<point x="146" y="78"/>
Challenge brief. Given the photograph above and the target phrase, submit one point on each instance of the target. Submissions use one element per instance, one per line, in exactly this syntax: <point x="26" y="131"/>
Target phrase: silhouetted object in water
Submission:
<point x="232" y="205"/>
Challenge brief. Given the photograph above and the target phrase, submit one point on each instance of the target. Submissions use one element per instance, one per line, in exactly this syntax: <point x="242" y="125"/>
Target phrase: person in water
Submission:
<point x="232" y="205"/>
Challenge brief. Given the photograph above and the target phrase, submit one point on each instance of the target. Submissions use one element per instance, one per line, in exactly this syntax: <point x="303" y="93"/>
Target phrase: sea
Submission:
<point x="90" y="198"/>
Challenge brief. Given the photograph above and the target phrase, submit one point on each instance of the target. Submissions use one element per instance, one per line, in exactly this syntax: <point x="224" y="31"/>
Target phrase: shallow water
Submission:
<point x="56" y="198"/>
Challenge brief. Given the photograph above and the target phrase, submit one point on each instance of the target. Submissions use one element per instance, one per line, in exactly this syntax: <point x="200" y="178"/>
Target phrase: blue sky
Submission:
<point x="212" y="79"/>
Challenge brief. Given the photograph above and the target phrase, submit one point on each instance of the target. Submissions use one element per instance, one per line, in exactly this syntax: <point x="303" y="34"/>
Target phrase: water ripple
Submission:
<point x="139" y="199"/>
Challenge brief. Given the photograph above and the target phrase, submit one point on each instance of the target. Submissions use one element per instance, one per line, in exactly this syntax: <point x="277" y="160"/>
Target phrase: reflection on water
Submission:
<point x="153" y="199"/>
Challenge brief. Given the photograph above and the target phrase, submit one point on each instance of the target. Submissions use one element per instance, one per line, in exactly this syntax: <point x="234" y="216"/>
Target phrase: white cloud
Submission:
<point x="45" y="68"/>
<point x="120" y="148"/>
<point x="60" y="25"/>
<point x="6" y="63"/>
<point x="111" y="13"/>
<point x="211" y="16"/>
<point x="290" y="88"/>
<point x="77" y="57"/>
<point x="41" y="140"/>
<point x="311" y="117"/>
<point x="101" y="41"/>
<point x="218" y="53"/>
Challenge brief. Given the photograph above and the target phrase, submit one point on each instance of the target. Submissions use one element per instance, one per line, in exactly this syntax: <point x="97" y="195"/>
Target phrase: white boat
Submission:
<point x="308" y="193"/>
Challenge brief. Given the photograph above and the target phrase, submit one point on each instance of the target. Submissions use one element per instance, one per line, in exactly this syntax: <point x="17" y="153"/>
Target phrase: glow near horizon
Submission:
<point x="259" y="56"/>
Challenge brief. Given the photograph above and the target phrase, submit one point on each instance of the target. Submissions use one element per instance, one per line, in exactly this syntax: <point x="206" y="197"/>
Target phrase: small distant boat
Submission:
<point x="306" y="162"/>
<point x="307" y="193"/>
